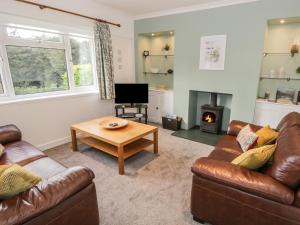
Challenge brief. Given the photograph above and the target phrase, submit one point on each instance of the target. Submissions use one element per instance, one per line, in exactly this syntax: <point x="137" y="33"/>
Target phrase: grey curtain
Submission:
<point x="104" y="60"/>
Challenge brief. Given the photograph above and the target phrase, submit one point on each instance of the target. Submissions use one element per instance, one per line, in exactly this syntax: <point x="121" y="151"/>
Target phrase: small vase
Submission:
<point x="281" y="72"/>
<point x="165" y="52"/>
<point x="294" y="49"/>
<point x="272" y="74"/>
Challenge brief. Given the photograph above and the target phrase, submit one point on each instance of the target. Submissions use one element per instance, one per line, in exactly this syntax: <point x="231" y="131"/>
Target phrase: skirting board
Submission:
<point x="54" y="143"/>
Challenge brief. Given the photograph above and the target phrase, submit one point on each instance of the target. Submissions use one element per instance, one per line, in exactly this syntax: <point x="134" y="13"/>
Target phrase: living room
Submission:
<point x="149" y="112"/>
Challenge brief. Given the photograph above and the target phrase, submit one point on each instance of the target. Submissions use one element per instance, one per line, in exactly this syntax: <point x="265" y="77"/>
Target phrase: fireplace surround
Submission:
<point x="211" y="116"/>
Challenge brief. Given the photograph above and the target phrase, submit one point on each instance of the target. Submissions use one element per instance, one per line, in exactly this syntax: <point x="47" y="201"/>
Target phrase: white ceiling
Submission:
<point x="140" y="7"/>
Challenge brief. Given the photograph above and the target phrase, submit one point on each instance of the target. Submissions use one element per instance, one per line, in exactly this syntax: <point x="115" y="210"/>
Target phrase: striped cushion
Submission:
<point x="247" y="138"/>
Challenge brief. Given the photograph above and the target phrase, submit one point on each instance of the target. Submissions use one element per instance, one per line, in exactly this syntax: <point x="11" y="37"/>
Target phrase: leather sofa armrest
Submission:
<point x="9" y="133"/>
<point x="243" y="179"/>
<point x="45" y="195"/>
<point x="235" y="127"/>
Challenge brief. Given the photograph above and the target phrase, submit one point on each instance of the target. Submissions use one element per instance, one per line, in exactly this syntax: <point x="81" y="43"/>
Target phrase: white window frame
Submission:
<point x="2" y="77"/>
<point x="7" y="83"/>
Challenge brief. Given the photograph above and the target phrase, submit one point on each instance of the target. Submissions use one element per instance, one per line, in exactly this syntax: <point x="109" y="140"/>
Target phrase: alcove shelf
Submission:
<point x="158" y="73"/>
<point x="279" y="78"/>
<point x="159" y="56"/>
<point x="280" y="53"/>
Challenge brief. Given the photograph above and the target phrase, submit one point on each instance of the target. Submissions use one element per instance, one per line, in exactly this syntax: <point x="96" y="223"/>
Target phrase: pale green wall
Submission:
<point x="245" y="26"/>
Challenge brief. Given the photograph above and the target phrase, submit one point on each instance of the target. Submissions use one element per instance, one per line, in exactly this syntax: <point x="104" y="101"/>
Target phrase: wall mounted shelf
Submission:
<point x="158" y="73"/>
<point x="166" y="56"/>
<point x="277" y="78"/>
<point x="280" y="53"/>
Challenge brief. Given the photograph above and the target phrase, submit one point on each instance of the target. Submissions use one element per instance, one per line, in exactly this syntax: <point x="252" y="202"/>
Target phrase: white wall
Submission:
<point x="45" y="123"/>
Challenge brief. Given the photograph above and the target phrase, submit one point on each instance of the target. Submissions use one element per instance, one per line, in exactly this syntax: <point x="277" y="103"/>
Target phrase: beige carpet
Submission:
<point x="155" y="189"/>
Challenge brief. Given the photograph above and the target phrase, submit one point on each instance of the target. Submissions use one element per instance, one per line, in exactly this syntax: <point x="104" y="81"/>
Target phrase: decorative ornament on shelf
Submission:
<point x="166" y="49"/>
<point x="146" y="53"/>
<point x="154" y="70"/>
<point x="273" y="74"/>
<point x="281" y="72"/>
<point x="170" y="71"/>
<point x="295" y="47"/>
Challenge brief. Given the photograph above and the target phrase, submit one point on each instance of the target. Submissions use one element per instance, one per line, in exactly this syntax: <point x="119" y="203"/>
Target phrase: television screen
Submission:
<point x="131" y="93"/>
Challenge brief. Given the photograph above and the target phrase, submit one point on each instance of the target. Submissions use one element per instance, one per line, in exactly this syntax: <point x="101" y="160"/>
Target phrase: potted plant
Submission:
<point x="166" y="49"/>
<point x="295" y="47"/>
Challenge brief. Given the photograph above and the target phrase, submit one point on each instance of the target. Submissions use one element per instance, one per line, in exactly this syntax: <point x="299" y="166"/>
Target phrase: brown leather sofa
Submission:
<point x="225" y="194"/>
<point x="65" y="196"/>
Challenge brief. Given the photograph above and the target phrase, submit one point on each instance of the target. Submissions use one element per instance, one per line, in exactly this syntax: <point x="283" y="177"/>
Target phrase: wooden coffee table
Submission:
<point x="121" y="143"/>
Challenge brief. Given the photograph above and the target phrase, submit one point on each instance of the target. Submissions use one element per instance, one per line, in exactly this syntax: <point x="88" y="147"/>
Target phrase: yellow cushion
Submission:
<point x="1" y="150"/>
<point x="265" y="135"/>
<point x="15" y="179"/>
<point x="255" y="158"/>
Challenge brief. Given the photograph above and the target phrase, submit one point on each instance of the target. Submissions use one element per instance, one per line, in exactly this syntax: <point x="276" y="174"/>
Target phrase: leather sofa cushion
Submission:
<point x="243" y="179"/>
<point x="223" y="155"/>
<point x="290" y="120"/>
<point x="45" y="167"/>
<point x="286" y="162"/>
<point x="297" y="199"/>
<point x="21" y="153"/>
<point x="229" y="143"/>
<point x="224" y="205"/>
<point x="15" y="179"/>
<point x="9" y="133"/>
<point x="235" y="127"/>
<point x="47" y="194"/>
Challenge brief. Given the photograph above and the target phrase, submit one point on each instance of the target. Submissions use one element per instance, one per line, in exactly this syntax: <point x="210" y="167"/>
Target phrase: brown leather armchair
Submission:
<point x="226" y="194"/>
<point x="64" y="196"/>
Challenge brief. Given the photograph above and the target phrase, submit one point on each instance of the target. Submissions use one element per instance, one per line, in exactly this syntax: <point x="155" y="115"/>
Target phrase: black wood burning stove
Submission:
<point x="212" y="116"/>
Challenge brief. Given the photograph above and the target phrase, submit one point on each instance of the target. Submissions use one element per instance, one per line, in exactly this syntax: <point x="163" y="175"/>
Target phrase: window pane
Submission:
<point x="1" y="85"/>
<point x="33" y="35"/>
<point x="82" y="62"/>
<point x="36" y="70"/>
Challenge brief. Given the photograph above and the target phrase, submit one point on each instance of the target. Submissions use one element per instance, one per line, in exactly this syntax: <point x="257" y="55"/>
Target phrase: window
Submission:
<point x="36" y="70"/>
<point x="33" y="35"/>
<point x="82" y="62"/>
<point x="43" y="62"/>
<point x="1" y="85"/>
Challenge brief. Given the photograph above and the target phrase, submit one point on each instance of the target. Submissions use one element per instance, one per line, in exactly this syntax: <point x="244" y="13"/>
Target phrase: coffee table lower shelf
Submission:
<point x="129" y="149"/>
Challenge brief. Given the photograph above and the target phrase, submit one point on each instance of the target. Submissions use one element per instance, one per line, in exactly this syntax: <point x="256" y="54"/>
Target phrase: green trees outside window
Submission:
<point x="82" y="62"/>
<point x="36" y="70"/>
<point x="40" y="61"/>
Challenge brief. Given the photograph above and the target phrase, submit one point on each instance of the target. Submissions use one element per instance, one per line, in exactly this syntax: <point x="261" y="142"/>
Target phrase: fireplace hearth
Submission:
<point x="212" y="116"/>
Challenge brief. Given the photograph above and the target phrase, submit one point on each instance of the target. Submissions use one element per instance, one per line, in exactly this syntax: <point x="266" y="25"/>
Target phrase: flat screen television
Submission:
<point x="131" y="93"/>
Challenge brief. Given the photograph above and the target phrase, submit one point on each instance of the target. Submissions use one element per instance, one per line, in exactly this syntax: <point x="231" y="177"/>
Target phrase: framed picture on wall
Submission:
<point x="212" y="52"/>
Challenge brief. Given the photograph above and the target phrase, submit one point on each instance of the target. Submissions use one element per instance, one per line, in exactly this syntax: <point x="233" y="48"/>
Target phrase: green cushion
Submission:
<point x="15" y="179"/>
<point x="255" y="158"/>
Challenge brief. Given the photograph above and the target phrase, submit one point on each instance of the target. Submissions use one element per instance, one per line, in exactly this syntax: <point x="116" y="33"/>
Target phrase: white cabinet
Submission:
<point x="160" y="104"/>
<point x="268" y="113"/>
<point x="154" y="107"/>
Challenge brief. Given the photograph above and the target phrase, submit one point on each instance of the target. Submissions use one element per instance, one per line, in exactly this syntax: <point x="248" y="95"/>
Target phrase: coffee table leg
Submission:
<point x="121" y="160"/>
<point x="155" y="139"/>
<point x="74" y="140"/>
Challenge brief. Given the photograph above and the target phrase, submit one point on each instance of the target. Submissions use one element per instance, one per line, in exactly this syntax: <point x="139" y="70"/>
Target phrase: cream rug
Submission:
<point x="154" y="191"/>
